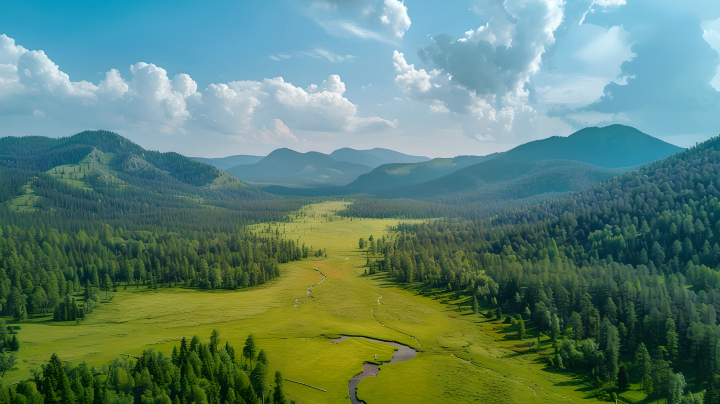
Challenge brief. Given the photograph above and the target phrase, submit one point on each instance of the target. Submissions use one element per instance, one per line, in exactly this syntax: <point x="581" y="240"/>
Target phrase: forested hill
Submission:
<point x="612" y="146"/>
<point x="98" y="177"/>
<point x="37" y="153"/>
<point x="290" y="168"/>
<point x="624" y="274"/>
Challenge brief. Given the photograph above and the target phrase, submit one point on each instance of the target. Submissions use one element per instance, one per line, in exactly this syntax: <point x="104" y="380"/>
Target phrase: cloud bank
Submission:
<point x="482" y="78"/>
<point x="32" y="85"/>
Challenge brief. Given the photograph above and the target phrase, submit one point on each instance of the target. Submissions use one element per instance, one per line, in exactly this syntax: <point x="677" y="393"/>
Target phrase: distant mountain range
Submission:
<point x="293" y="169"/>
<point x="555" y="164"/>
<point x="101" y="160"/>
<point x="224" y="163"/>
<point x="374" y="157"/>
<point x="289" y="168"/>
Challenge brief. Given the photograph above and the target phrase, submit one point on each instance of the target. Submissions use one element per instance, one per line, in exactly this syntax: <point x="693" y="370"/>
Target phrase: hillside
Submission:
<point x="294" y="169"/>
<point x="374" y="157"/>
<point x="503" y="179"/>
<point x="42" y="153"/>
<point x="612" y="146"/>
<point x="555" y="164"/>
<point x="100" y="176"/>
<point x="223" y="163"/>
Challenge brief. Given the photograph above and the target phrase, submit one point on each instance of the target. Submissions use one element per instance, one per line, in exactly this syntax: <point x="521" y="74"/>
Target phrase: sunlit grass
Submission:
<point x="296" y="338"/>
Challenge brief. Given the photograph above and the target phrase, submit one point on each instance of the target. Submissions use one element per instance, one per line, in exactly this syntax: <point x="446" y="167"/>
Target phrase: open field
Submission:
<point x="295" y="338"/>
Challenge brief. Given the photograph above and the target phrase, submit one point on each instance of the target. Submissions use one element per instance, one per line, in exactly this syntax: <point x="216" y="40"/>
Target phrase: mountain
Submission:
<point x="102" y="177"/>
<point x="611" y="146"/>
<point x="294" y="169"/>
<point x="223" y="163"/>
<point x="501" y="178"/>
<point x="391" y="176"/>
<point x="374" y="157"/>
<point x="555" y="164"/>
<point x="552" y="165"/>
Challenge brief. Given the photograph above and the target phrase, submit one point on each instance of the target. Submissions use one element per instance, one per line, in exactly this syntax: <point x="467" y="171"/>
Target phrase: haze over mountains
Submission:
<point x="294" y="169"/>
<point x="100" y="159"/>
<point x="555" y="164"/>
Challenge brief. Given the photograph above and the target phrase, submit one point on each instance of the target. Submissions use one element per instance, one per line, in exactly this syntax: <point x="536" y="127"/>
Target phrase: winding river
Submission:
<point x="403" y="353"/>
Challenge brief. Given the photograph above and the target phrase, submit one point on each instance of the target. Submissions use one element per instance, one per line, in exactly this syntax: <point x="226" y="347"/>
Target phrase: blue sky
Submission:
<point x="435" y="78"/>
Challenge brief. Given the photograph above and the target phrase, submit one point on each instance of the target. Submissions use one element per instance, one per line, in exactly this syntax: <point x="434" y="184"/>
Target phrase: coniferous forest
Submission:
<point x="622" y="277"/>
<point x="195" y="372"/>
<point x="360" y="202"/>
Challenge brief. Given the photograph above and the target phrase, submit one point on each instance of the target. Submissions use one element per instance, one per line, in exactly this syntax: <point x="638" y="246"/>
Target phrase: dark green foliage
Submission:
<point x="191" y="375"/>
<point x="630" y="265"/>
<point x="42" y="154"/>
<point x="59" y="262"/>
<point x="160" y="191"/>
<point x="623" y="377"/>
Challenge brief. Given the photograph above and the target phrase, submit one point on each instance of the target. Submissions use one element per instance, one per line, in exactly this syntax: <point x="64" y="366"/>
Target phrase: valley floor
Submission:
<point x="293" y="328"/>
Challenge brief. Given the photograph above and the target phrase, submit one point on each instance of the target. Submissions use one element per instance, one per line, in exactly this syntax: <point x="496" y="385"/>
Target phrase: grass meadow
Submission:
<point x="294" y="329"/>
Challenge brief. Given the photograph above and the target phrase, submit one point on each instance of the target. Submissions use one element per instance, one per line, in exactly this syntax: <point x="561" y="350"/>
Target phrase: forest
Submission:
<point x="622" y="277"/>
<point x="195" y="372"/>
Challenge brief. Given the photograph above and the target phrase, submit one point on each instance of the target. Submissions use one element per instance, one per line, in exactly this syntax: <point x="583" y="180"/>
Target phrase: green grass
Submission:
<point x="25" y="202"/>
<point x="96" y="162"/>
<point x="405" y="170"/>
<point x="135" y="320"/>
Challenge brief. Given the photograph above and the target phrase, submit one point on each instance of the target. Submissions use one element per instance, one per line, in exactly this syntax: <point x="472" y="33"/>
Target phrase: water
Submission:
<point x="402" y="354"/>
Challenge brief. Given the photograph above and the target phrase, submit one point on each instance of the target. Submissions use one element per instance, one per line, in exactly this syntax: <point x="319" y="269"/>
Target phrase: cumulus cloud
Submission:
<point x="394" y="15"/>
<point x="482" y="78"/>
<point x="668" y="84"/>
<point x="278" y="133"/>
<point x="365" y="19"/>
<point x="32" y="85"/>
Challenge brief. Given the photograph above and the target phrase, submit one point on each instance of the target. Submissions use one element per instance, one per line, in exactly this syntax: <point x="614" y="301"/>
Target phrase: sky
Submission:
<point x="432" y="78"/>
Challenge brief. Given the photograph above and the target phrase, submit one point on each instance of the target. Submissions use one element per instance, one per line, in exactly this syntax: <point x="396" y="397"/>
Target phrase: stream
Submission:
<point x="402" y="354"/>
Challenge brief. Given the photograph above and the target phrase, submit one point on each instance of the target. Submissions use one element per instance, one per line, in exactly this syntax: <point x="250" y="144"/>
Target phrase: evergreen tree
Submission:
<point x="623" y="378"/>
<point x="278" y="393"/>
<point x="249" y="349"/>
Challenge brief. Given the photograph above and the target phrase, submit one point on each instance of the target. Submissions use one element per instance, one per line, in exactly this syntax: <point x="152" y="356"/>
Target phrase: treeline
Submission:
<point x="625" y="272"/>
<point x="42" y="268"/>
<point x="196" y="372"/>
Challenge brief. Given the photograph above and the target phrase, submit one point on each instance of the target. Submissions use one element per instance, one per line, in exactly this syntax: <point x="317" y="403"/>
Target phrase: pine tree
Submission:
<point x="671" y="339"/>
<point x="249" y="349"/>
<point x="623" y="378"/>
<point x="278" y="393"/>
<point x="214" y="341"/>
<point x="475" y="306"/>
<point x="521" y="327"/>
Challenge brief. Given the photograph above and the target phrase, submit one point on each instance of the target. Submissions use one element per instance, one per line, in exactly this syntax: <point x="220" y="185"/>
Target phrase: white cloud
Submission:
<point x="263" y="110"/>
<point x="278" y="134"/>
<point x="395" y="16"/>
<point x="482" y="78"/>
<point x="610" y="3"/>
<point x="239" y="106"/>
<point x="317" y="53"/>
<point x="113" y="87"/>
<point x="711" y="34"/>
<point x="331" y="56"/>
<point x="486" y="138"/>
<point x="383" y="20"/>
